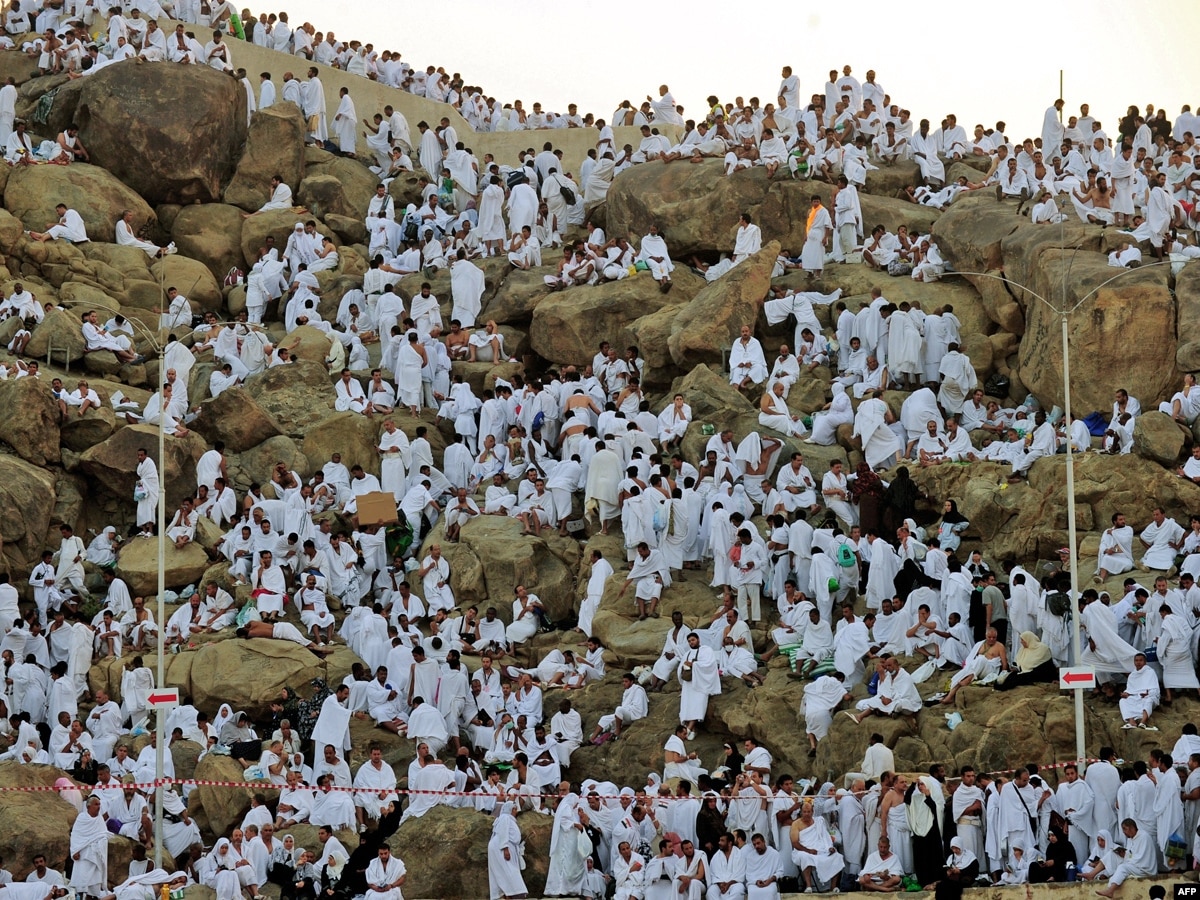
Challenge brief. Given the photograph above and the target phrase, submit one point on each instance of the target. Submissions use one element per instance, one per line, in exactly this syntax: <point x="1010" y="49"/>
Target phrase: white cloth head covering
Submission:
<point x="959" y="857"/>
<point x="1098" y="852"/>
<point x="224" y="714"/>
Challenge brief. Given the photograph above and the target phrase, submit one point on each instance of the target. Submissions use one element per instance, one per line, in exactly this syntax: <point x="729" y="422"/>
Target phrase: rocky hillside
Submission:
<point x="172" y="144"/>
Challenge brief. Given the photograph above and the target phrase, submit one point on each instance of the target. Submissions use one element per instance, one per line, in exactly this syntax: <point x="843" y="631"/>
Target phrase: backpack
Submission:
<point x="997" y="385"/>
<point x="1096" y="424"/>
<point x="845" y="556"/>
<point x="1058" y="603"/>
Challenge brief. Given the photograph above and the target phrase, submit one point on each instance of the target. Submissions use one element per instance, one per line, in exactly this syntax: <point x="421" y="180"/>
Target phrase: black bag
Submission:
<point x="997" y="385"/>
<point x="1058" y="603"/>
<point x="568" y="195"/>
<point x="517" y="177"/>
<point x="251" y="750"/>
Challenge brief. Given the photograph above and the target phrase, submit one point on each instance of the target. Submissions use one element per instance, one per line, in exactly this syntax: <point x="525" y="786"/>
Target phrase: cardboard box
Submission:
<point x="377" y="508"/>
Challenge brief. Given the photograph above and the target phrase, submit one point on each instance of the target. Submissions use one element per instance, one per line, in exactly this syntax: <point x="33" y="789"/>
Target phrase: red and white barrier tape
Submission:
<point x="266" y="785"/>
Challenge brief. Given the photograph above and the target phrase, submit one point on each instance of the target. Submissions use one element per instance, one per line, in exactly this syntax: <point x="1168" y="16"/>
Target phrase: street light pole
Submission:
<point x="1076" y="653"/>
<point x="159" y="715"/>
<point x="1064" y="313"/>
<point x="160" y="680"/>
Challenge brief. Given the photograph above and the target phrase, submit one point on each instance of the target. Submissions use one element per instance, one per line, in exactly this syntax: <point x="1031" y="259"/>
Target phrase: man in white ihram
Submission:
<point x="385" y="876"/>
<point x="1116" y="549"/>
<point x="1161" y="538"/>
<point x="653" y="251"/>
<point x="897" y="694"/>
<point x="748" y="240"/>
<point x="69" y="227"/>
<point x="380" y="800"/>
<point x="747" y="364"/>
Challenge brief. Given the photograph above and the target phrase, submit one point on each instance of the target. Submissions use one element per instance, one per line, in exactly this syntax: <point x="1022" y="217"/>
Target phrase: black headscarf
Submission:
<point x="953" y="517"/>
<point x="901" y="495"/>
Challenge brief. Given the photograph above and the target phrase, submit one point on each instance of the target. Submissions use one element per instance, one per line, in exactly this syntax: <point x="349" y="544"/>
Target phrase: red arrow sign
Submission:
<point x="1074" y="677"/>
<point x="172" y="697"/>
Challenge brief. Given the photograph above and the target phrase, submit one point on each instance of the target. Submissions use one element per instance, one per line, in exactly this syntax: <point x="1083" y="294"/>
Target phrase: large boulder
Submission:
<point x="998" y="302"/>
<point x="354" y="436"/>
<point x="53" y="816"/>
<point x="27" y="504"/>
<point x="356" y="180"/>
<point x="308" y="343"/>
<point x="112" y="465"/>
<point x="30" y="420"/>
<point x="323" y="195"/>
<point x="138" y="564"/>
<point x="969" y="233"/>
<point x="93" y="427"/>
<point x="274" y="146"/>
<point x="1029" y="521"/>
<point x="649" y="333"/>
<point x="249" y="674"/>
<point x="236" y="418"/>
<point x="1187" y="299"/>
<point x="891" y="213"/>
<point x="346" y="230"/>
<point x="210" y="233"/>
<point x="172" y="133"/>
<point x="297" y="395"/>
<point x="95" y="193"/>
<point x="257" y="463"/>
<point x="60" y="330"/>
<point x="192" y="278"/>
<point x="446" y="853"/>
<point x="405" y="188"/>
<point x="711" y="322"/>
<point x="516" y="297"/>
<point x="1156" y="436"/>
<point x="131" y="262"/>
<point x="696" y="208"/>
<point x="1137" y="309"/>
<point x="219" y="807"/>
<point x="1033" y="258"/>
<point x="11" y="230"/>
<point x="564" y="324"/>
<point x="509" y="559"/>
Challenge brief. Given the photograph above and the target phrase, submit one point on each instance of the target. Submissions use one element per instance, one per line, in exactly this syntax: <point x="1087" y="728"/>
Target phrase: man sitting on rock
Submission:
<point x="69" y="227"/>
<point x="897" y="695"/>
<point x="747" y="364"/>
<point x="95" y="337"/>
<point x="1140" y="696"/>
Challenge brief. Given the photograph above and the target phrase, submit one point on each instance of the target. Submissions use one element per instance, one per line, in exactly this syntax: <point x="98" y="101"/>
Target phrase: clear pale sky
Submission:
<point x="983" y="63"/>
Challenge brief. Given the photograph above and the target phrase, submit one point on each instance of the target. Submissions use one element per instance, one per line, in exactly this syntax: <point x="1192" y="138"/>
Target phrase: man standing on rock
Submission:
<point x="89" y="850"/>
<point x="819" y="233"/>
<point x="70" y="562"/>
<point x="1074" y="801"/>
<point x="313" y="105"/>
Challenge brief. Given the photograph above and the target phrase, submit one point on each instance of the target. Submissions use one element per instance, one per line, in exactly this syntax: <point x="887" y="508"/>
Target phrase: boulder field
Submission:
<point x="172" y="144"/>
